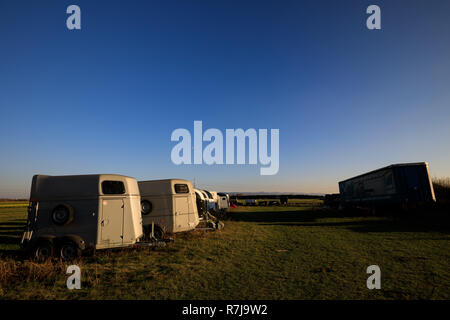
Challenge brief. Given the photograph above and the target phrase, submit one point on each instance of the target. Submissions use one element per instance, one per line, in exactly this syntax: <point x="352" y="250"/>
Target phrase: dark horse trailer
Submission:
<point x="406" y="184"/>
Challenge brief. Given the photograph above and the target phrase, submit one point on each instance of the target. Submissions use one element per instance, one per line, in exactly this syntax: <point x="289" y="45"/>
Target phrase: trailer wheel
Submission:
<point x="69" y="250"/>
<point x="43" y="250"/>
<point x="159" y="232"/>
<point x="62" y="215"/>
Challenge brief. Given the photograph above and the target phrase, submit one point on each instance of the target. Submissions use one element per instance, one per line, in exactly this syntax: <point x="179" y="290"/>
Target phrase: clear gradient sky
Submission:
<point x="106" y="98"/>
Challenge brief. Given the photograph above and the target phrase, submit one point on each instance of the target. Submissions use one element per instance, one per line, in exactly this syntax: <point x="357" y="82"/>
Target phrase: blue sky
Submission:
<point x="106" y="98"/>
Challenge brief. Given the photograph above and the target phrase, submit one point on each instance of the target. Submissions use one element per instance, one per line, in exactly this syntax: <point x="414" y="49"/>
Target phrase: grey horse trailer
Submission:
<point x="403" y="184"/>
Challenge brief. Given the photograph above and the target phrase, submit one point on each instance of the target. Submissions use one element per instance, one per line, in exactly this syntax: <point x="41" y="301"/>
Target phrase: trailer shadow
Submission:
<point x="348" y="220"/>
<point x="280" y="216"/>
<point x="10" y="235"/>
<point x="411" y="226"/>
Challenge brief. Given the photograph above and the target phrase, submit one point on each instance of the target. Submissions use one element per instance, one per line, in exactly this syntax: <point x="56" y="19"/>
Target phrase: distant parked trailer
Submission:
<point x="206" y="219"/>
<point x="211" y="203"/>
<point x="399" y="184"/>
<point x="223" y="201"/>
<point x="250" y="202"/>
<point x="170" y="205"/>
<point x="201" y="202"/>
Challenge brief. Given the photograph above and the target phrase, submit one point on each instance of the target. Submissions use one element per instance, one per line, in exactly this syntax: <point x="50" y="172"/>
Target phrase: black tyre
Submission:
<point x="43" y="250"/>
<point x="69" y="250"/>
<point x="146" y="207"/>
<point x="62" y="215"/>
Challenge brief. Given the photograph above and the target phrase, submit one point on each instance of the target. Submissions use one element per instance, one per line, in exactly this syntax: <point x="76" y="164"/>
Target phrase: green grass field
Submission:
<point x="263" y="253"/>
<point x="13" y="204"/>
<point x="291" y="202"/>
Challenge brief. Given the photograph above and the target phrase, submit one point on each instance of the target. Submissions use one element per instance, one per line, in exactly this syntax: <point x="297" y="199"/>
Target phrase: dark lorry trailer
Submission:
<point x="406" y="184"/>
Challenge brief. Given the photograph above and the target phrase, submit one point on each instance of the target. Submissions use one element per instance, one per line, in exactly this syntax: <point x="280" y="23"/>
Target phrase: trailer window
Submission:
<point x="113" y="187"/>
<point x="181" y="188"/>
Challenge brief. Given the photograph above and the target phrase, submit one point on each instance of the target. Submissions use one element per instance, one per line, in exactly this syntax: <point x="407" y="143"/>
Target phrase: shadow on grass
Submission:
<point x="9" y="240"/>
<point x="278" y="216"/>
<point x="16" y="223"/>
<point x="10" y="235"/>
<point x="363" y="224"/>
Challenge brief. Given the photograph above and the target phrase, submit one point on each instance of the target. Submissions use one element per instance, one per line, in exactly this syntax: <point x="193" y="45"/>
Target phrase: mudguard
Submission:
<point x="75" y="238"/>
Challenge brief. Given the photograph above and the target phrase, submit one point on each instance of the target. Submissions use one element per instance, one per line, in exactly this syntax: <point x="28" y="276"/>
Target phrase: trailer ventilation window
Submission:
<point x="181" y="188"/>
<point x="113" y="187"/>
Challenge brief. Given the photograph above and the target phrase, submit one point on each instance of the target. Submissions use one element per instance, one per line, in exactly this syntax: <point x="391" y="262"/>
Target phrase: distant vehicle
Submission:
<point x="223" y="201"/>
<point x="250" y="202"/>
<point x="169" y="204"/>
<point x="214" y="195"/>
<point x="211" y="203"/>
<point x="215" y="199"/>
<point x="201" y="201"/>
<point x="402" y="184"/>
<point x="207" y="220"/>
<point x="69" y="214"/>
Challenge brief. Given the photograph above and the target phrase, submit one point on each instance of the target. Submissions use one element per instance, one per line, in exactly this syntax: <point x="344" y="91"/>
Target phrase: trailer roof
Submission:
<point x="388" y="167"/>
<point x="162" y="187"/>
<point x="76" y="186"/>
<point x="200" y="193"/>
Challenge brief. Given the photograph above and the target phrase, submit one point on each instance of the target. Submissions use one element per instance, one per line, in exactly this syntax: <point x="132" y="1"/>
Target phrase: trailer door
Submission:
<point x="112" y="221"/>
<point x="181" y="213"/>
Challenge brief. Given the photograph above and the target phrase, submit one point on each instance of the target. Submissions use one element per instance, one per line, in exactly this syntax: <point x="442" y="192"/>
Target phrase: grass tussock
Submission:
<point x="12" y="271"/>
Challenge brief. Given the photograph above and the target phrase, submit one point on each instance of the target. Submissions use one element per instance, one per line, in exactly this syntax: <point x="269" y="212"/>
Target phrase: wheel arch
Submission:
<point x="78" y="240"/>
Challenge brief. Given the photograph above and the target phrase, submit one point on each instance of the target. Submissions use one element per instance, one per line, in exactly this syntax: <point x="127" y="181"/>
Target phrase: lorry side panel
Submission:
<point x="396" y="184"/>
<point x="374" y="187"/>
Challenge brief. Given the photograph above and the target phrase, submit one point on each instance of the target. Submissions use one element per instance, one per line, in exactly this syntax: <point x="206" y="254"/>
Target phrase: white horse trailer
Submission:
<point x="207" y="220"/>
<point x="69" y="214"/>
<point x="169" y="204"/>
<point x="211" y="203"/>
<point x="202" y="202"/>
<point x="223" y="201"/>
